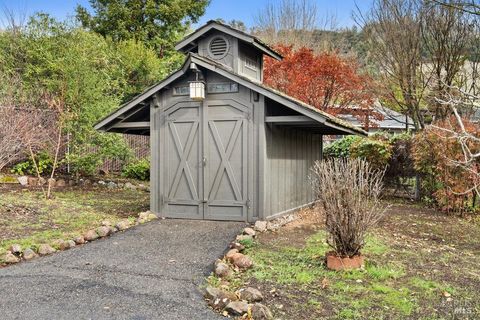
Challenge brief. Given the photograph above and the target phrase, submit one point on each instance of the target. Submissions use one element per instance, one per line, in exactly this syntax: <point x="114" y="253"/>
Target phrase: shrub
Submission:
<point x="340" y="148"/>
<point x="44" y="164"/>
<point x="376" y="152"/>
<point x="85" y="165"/>
<point x="21" y="168"/>
<point x="139" y="169"/>
<point x="348" y="191"/>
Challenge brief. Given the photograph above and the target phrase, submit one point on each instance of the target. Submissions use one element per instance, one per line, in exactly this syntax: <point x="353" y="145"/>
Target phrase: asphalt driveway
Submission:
<point x="152" y="271"/>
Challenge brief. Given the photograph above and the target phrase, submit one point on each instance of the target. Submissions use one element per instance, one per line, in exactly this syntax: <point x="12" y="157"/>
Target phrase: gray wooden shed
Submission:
<point x="243" y="151"/>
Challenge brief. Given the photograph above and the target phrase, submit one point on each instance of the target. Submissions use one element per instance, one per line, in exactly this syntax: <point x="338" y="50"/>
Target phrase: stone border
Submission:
<point x="246" y="300"/>
<point x="16" y="253"/>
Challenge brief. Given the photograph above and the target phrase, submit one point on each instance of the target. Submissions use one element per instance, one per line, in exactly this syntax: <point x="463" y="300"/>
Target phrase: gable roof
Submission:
<point x="319" y="116"/>
<point x="189" y="41"/>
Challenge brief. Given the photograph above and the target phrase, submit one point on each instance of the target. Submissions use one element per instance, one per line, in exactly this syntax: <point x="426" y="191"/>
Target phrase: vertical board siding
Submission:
<point x="290" y="155"/>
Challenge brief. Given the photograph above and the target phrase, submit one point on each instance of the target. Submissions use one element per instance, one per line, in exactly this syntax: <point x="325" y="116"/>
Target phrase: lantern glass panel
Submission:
<point x="197" y="90"/>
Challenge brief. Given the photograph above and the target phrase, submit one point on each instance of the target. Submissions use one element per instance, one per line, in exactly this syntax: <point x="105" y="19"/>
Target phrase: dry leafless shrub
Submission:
<point x="10" y="143"/>
<point x="349" y="193"/>
<point x="24" y="131"/>
<point x="17" y="129"/>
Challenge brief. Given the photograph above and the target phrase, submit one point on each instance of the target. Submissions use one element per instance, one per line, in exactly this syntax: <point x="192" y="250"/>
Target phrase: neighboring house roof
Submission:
<point x="392" y="120"/>
<point x="189" y="42"/>
<point x="292" y="103"/>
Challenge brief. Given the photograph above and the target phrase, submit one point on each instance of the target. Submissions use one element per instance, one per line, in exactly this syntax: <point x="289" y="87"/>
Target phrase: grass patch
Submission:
<point x="314" y="303"/>
<point x="375" y="246"/>
<point x="348" y="313"/>
<point x="399" y="299"/>
<point x="382" y="273"/>
<point x="431" y="288"/>
<point x="247" y="243"/>
<point x="288" y="265"/>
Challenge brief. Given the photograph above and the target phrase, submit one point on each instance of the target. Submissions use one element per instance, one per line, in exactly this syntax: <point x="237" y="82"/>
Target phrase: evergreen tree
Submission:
<point x="157" y="23"/>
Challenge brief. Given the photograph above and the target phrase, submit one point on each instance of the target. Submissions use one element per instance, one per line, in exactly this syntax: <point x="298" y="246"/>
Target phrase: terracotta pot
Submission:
<point x="337" y="263"/>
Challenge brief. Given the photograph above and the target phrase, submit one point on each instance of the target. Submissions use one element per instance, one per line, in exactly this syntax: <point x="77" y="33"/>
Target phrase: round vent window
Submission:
<point x="218" y="47"/>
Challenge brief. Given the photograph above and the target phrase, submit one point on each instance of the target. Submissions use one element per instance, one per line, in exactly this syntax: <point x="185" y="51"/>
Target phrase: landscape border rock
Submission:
<point x="29" y="254"/>
<point x="103" y="231"/>
<point x="90" y="235"/>
<point x="241" y="261"/>
<point x="11" y="258"/>
<point x="237" y="308"/>
<point x="45" y="249"/>
<point x="261" y="312"/>
<point x="15" y="249"/>
<point x="249" y="232"/>
<point x="250" y="294"/>
<point x="222" y="269"/>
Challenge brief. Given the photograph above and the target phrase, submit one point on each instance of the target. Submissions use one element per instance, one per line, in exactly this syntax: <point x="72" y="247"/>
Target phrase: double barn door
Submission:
<point x="205" y="160"/>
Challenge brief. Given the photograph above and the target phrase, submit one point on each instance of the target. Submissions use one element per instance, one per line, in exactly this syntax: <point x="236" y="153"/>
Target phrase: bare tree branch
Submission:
<point x="470" y="7"/>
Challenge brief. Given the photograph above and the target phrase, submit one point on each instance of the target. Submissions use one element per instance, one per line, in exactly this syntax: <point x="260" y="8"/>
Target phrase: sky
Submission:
<point x="244" y="10"/>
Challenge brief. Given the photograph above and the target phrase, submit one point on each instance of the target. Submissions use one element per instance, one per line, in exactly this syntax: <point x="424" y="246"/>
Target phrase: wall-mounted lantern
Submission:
<point x="197" y="87"/>
<point x="197" y="90"/>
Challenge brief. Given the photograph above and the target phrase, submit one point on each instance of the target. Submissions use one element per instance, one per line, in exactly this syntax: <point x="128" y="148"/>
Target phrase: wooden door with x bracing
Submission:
<point x="226" y="151"/>
<point x="181" y="152"/>
<point x="206" y="160"/>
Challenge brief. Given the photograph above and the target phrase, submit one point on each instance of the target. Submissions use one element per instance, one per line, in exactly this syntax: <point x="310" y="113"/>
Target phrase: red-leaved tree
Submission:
<point x="325" y="81"/>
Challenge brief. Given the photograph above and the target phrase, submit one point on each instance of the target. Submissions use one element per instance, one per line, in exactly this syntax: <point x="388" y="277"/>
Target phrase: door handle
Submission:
<point x="204" y="161"/>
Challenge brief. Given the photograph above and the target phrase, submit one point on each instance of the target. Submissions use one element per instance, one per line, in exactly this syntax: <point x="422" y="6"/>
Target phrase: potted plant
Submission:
<point x="348" y="191"/>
